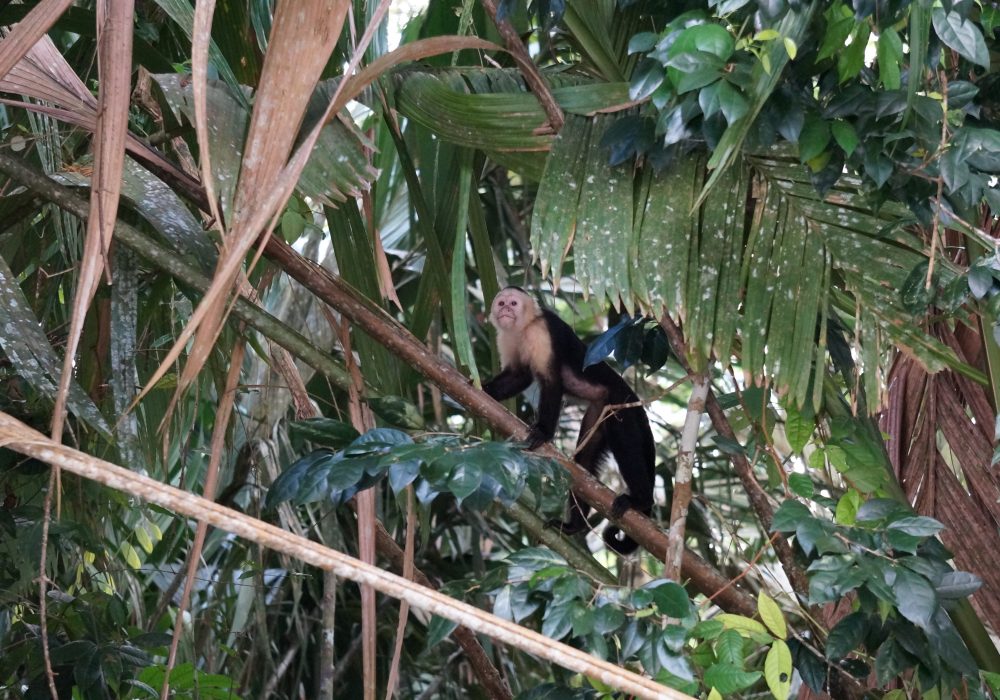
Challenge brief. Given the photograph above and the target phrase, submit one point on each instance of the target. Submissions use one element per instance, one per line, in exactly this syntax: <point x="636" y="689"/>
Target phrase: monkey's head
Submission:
<point x="512" y="308"/>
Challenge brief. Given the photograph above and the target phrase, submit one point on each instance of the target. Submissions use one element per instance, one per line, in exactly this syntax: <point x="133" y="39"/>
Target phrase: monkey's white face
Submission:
<point x="509" y="307"/>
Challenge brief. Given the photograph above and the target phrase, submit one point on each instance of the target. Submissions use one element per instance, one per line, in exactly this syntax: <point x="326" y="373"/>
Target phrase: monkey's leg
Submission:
<point x="591" y="444"/>
<point x="631" y="442"/>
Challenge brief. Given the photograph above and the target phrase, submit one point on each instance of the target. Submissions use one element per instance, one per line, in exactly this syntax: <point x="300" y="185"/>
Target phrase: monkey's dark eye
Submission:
<point x="513" y="303"/>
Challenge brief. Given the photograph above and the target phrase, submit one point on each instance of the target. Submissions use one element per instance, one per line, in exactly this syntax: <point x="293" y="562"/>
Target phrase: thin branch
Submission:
<point x="528" y="68"/>
<point x="755" y="492"/>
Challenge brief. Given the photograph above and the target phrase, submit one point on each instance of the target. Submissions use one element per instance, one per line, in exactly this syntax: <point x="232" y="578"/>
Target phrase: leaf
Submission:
<point x="741" y="624"/>
<point x="961" y="35"/>
<point x="814" y="137"/>
<point x="958" y="584"/>
<point x="671" y="599"/>
<point x="789" y="515"/>
<point x="801" y="485"/>
<point x="798" y="428"/>
<point x="890" y="55"/>
<point x="731" y="101"/>
<point x="602" y="346"/>
<point x="726" y="678"/>
<point x="729" y="648"/>
<point x="981" y="281"/>
<point x="402" y="474"/>
<point x="916" y="599"/>
<point x="464" y="481"/>
<point x="845" y="136"/>
<point x="918" y="526"/>
<point x="778" y="669"/>
<point x="323" y="431"/>
<point x="396" y="410"/>
<point x="771" y="615"/>
<point x="846" y="636"/>
<point x="648" y="76"/>
<point x="439" y="629"/>
<point x="708" y="38"/>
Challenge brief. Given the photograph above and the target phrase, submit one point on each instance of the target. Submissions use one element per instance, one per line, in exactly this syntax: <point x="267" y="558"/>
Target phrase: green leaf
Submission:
<point x="961" y="35"/>
<point x="671" y="599"/>
<point x="845" y="136"/>
<point x="708" y="37"/>
<point x="846" y="636"/>
<point x="890" y="55"/>
<point x="438" y="629"/>
<point x="323" y="431"/>
<point x="789" y="515"/>
<point x="814" y="137"/>
<point x="740" y="623"/>
<point x="918" y="526"/>
<point x="916" y="599"/>
<point x="646" y="79"/>
<point x="771" y="615"/>
<point x="726" y="678"/>
<point x="851" y="59"/>
<point x="847" y="507"/>
<point x="608" y="618"/>
<point x="958" y="584"/>
<point x="801" y="485"/>
<point x="778" y="669"/>
<point x="798" y="428"/>
<point x="642" y="42"/>
<point x="465" y="480"/>
<point x="731" y="101"/>
<point x="397" y="411"/>
<point x="729" y="648"/>
<point x="890" y="662"/>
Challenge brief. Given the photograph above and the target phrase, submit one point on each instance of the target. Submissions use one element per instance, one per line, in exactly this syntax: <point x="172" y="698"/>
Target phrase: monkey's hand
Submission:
<point x="537" y="436"/>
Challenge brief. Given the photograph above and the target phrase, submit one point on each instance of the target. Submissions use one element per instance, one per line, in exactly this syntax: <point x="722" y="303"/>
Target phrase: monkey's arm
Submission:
<point x="508" y="383"/>
<point x="549" y="407"/>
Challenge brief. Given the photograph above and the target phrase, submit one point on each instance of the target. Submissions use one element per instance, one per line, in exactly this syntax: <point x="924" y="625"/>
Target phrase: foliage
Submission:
<point x="888" y="561"/>
<point x="807" y="187"/>
<point x="476" y="474"/>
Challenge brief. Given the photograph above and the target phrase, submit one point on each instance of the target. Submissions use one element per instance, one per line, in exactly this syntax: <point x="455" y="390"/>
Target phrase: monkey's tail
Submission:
<point x="618" y="541"/>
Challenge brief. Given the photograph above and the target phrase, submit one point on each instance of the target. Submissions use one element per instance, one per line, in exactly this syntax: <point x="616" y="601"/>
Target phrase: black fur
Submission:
<point x="625" y="434"/>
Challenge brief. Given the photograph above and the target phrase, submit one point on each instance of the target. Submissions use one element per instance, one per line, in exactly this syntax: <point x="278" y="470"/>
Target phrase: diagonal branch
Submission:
<point x="398" y="340"/>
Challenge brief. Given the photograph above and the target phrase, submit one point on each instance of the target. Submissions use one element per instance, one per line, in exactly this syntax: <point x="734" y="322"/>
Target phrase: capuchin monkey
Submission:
<point x="536" y="345"/>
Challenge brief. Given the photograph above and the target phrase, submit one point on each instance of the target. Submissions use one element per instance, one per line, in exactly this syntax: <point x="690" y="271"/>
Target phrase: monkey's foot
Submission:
<point x="536" y="438"/>
<point x="621" y="504"/>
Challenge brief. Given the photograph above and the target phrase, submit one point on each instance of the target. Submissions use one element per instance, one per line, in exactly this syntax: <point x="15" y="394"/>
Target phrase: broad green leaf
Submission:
<point x="778" y="670"/>
<point x="846" y="635"/>
<point x="918" y="526"/>
<point x="916" y="599"/>
<point x="814" y="137"/>
<point x="439" y="629"/>
<point x="326" y="432"/>
<point x="961" y="35"/>
<point x="958" y="584"/>
<point x="771" y="615"/>
<point x="672" y="600"/>
<point x="890" y="57"/>
<point x="845" y="136"/>
<point x="744" y="625"/>
<point x="798" y="428"/>
<point x="726" y="678"/>
<point x="729" y="648"/>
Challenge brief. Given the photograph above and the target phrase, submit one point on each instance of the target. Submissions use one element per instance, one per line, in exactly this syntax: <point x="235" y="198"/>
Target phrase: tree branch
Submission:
<point x="397" y="339"/>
